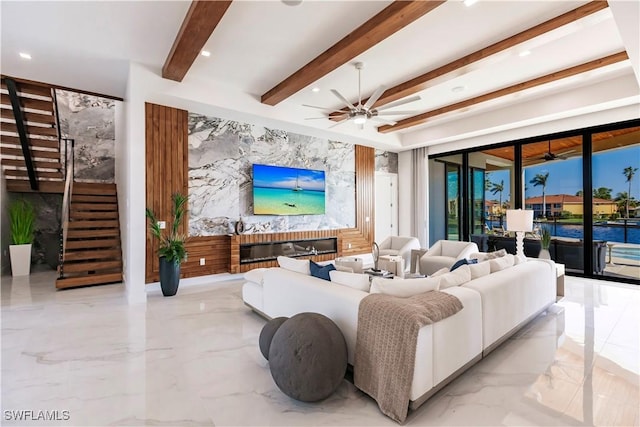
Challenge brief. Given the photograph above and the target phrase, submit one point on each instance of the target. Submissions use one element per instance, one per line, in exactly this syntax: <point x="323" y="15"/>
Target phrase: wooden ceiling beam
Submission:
<point x="201" y="19"/>
<point x="452" y="69"/>
<point x="568" y="72"/>
<point x="393" y="18"/>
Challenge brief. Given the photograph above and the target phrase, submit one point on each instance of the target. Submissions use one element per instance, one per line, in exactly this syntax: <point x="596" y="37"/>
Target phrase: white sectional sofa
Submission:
<point x="495" y="306"/>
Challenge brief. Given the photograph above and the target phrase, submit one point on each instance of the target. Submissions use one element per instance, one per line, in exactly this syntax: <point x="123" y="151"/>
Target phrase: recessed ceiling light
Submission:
<point x="205" y="53"/>
<point x="315" y="89"/>
<point x="469" y="2"/>
<point x="292" y="2"/>
<point x="24" y="55"/>
<point x="524" y="53"/>
<point x="458" y="89"/>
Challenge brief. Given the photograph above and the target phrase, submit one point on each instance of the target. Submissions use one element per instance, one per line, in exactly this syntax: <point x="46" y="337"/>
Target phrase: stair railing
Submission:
<point x="66" y="200"/>
<point x="22" y="131"/>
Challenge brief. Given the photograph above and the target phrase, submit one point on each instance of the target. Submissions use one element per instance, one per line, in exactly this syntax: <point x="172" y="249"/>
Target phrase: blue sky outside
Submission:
<point x="565" y="176"/>
<point x="283" y="177"/>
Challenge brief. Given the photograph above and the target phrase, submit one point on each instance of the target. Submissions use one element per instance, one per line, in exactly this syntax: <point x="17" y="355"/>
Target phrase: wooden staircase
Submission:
<point x="37" y="101"/>
<point x="93" y="255"/>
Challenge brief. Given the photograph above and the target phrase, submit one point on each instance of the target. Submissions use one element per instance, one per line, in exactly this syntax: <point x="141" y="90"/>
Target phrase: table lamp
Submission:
<point x="519" y="220"/>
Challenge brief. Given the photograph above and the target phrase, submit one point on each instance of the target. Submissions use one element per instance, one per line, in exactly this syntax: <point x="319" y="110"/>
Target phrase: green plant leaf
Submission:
<point x="22" y="219"/>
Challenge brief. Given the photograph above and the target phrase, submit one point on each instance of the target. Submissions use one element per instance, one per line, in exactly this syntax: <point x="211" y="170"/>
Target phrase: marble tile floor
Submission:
<point x="193" y="360"/>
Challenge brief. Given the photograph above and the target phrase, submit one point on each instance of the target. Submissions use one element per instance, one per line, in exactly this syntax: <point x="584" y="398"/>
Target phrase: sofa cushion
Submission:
<point x="462" y="262"/>
<point x="501" y="263"/>
<point x="480" y="269"/>
<point x="255" y="275"/>
<point x="404" y="288"/>
<point x="295" y="265"/>
<point x="344" y="269"/>
<point x="321" y="271"/>
<point x="353" y="280"/>
<point x="455" y="278"/>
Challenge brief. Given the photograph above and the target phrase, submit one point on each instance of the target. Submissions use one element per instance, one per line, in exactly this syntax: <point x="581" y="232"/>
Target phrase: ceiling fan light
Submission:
<point x="360" y="120"/>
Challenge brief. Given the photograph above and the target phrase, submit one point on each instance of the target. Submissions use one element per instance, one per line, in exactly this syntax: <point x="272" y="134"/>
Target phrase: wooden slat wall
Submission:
<point x="167" y="172"/>
<point x="362" y="236"/>
<point x="166" y="149"/>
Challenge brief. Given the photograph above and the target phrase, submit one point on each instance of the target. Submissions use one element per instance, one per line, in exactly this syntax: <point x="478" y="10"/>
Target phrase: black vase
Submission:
<point x="169" y="277"/>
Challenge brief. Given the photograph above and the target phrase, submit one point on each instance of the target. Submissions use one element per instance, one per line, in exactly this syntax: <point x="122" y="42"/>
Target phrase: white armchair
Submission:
<point x="445" y="253"/>
<point x="399" y="246"/>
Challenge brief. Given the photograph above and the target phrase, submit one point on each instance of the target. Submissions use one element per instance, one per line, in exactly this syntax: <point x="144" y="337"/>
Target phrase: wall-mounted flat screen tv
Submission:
<point x="281" y="190"/>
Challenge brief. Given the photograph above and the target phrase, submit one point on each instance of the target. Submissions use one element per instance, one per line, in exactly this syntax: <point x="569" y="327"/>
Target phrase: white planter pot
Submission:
<point x="20" y="259"/>
<point x="544" y="254"/>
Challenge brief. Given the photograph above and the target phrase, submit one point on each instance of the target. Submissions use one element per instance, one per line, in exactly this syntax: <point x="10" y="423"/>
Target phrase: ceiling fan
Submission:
<point x="361" y="113"/>
<point x="549" y="155"/>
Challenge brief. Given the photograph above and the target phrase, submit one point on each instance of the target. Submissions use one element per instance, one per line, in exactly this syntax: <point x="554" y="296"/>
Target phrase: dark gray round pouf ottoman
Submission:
<point x="266" y="335"/>
<point x="308" y="357"/>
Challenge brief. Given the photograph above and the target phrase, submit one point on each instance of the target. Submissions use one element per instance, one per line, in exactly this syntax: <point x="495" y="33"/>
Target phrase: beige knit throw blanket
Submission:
<point x="386" y="344"/>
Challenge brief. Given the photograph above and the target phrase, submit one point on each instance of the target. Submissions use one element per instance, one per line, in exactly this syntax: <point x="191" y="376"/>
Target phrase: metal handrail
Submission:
<point x="66" y="200"/>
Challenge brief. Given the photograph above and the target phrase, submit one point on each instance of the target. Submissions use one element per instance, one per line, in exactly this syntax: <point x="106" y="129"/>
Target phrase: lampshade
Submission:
<point x="519" y="220"/>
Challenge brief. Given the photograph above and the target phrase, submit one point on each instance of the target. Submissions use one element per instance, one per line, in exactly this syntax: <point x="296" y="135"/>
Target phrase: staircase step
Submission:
<point x="34" y="104"/>
<point x="91" y="254"/>
<point x="78" y="234"/>
<point x="39" y="174"/>
<point x="38" y="165"/>
<point x="75" y="215"/>
<point x="35" y="154"/>
<point x="90" y="224"/>
<point x="94" y="188"/>
<point x="93" y="244"/>
<point x="47" y="119"/>
<point x="31" y="130"/>
<point x="94" y="206"/>
<point x="71" y="267"/>
<point x="91" y="198"/>
<point x="33" y="142"/>
<point x="90" y="279"/>
<point x="32" y="89"/>
<point x="22" y="186"/>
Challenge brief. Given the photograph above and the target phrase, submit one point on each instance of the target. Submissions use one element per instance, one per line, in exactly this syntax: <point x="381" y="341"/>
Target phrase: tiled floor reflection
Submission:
<point x="193" y="360"/>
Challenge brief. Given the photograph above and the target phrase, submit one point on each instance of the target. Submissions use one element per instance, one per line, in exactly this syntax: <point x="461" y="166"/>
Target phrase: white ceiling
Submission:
<point x="88" y="45"/>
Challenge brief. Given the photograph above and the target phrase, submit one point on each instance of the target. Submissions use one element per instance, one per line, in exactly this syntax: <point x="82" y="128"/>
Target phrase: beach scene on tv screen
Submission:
<point x="287" y="191"/>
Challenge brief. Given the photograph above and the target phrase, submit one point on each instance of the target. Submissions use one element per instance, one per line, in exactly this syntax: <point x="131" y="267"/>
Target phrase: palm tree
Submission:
<point x="629" y="172"/>
<point x="496" y="188"/>
<point x="541" y="179"/>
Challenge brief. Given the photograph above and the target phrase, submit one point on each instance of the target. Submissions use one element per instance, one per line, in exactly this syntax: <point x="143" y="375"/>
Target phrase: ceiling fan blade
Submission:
<point x="399" y="102"/>
<point x="343" y="99"/>
<point x="374" y="97"/>
<point x="383" y="121"/>
<point x="392" y="113"/>
<point x="328" y="109"/>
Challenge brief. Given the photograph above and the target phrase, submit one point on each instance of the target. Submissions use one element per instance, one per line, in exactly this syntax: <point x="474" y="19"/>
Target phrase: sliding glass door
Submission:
<point x="616" y="201"/>
<point x="452" y="203"/>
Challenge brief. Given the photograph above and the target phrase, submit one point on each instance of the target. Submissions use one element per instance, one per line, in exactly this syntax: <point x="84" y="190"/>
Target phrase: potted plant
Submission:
<point x="22" y="219"/>
<point x="545" y="242"/>
<point x="171" y="248"/>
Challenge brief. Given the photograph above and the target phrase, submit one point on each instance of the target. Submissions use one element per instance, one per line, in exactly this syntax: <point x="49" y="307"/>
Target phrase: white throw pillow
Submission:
<point x="344" y="269"/>
<point x="296" y="265"/>
<point x="440" y="272"/>
<point x="256" y="275"/>
<point x="404" y="288"/>
<point x="479" y="270"/>
<point x="456" y="277"/>
<point x="499" y="264"/>
<point x="483" y="256"/>
<point x="353" y="280"/>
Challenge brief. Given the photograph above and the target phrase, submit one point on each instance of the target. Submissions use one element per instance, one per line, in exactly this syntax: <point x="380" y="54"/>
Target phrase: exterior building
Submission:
<point x="558" y="203"/>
